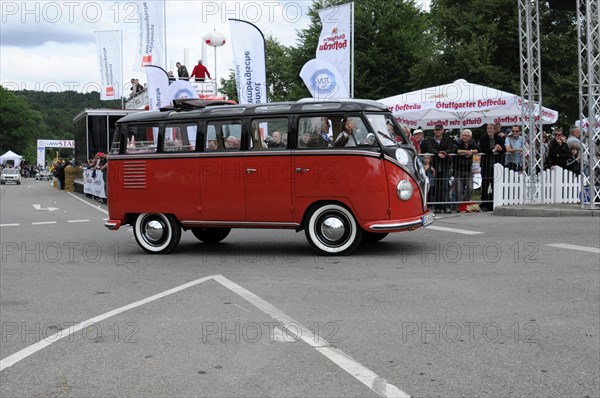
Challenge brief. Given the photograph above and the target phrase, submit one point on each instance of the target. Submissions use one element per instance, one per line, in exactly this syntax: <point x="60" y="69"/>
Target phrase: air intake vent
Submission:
<point x="134" y="175"/>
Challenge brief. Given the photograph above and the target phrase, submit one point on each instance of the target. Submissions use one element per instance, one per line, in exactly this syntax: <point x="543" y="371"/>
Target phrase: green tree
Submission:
<point x="478" y="40"/>
<point x="19" y="124"/>
<point x="389" y="38"/>
<point x="26" y="116"/>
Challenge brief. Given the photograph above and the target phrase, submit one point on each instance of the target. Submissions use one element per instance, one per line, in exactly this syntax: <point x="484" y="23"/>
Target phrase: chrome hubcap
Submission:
<point x="154" y="231"/>
<point x="333" y="229"/>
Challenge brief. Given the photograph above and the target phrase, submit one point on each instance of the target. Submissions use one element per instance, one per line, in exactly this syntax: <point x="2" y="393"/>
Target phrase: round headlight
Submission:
<point x="404" y="189"/>
<point x="402" y="156"/>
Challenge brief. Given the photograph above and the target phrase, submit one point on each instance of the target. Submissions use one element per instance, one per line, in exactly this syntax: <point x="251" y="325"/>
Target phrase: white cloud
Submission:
<point x="50" y="43"/>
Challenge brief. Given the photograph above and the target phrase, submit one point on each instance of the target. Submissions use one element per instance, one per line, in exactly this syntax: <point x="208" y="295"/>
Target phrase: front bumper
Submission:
<point x="113" y="225"/>
<point x="401" y="225"/>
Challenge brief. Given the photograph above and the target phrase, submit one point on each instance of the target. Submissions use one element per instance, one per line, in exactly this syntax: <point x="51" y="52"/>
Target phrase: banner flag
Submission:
<point x="335" y="39"/>
<point x="158" y="87"/>
<point x="323" y="80"/>
<point x="248" y="45"/>
<point x="108" y="46"/>
<point x="151" y="29"/>
<point x="182" y="89"/>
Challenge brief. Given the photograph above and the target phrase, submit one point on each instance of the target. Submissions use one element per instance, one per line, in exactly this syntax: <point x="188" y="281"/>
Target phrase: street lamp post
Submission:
<point x="215" y="39"/>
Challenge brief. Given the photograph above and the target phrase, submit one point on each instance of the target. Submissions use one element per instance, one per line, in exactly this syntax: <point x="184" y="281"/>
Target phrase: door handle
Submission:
<point x="250" y="171"/>
<point x="302" y="170"/>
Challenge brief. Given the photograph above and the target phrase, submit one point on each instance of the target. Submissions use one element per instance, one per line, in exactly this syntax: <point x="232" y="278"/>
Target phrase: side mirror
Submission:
<point x="371" y="139"/>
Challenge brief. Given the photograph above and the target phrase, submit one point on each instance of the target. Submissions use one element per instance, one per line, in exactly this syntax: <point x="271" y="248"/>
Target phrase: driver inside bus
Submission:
<point x="347" y="137"/>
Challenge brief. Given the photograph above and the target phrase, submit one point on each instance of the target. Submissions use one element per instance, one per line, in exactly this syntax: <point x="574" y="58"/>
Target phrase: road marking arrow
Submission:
<point x="39" y="207"/>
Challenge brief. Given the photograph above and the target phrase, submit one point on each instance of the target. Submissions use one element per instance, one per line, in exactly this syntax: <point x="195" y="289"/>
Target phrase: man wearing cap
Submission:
<point x="440" y="147"/>
<point x="417" y="140"/>
<point x="559" y="150"/>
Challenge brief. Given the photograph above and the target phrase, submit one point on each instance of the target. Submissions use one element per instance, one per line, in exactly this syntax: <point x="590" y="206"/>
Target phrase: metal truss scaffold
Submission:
<point x="588" y="23"/>
<point x="531" y="93"/>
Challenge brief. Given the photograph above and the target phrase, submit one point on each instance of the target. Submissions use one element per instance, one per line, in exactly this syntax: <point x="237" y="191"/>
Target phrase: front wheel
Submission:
<point x="157" y="233"/>
<point x="331" y="229"/>
<point x="211" y="235"/>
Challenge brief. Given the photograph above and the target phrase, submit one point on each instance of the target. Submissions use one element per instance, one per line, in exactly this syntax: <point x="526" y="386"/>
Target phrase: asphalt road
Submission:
<point x="476" y="305"/>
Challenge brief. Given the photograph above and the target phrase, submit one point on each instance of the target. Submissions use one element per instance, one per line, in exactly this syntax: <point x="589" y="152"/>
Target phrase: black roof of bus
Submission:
<point x="197" y="109"/>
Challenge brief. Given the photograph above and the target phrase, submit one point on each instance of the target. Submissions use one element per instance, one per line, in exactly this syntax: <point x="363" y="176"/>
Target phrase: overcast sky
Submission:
<point x="49" y="45"/>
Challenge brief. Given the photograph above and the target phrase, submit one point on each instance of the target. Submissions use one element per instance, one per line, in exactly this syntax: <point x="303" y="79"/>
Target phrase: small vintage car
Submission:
<point x="43" y="175"/>
<point x="10" y="175"/>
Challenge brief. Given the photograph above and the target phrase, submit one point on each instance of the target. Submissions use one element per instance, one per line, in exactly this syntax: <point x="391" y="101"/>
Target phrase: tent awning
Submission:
<point x="461" y="105"/>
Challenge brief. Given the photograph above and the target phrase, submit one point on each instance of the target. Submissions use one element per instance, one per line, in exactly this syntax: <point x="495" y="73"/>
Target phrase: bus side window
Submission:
<point x="142" y="139"/>
<point x="180" y="138"/>
<point x="315" y="132"/>
<point x="269" y="134"/>
<point x="232" y="135"/>
<point x="211" y="143"/>
<point x="223" y="135"/>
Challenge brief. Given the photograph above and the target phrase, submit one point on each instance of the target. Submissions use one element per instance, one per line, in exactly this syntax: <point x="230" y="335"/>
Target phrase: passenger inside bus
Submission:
<point x="276" y="140"/>
<point x="232" y="142"/>
<point x="319" y="133"/>
<point x="303" y="141"/>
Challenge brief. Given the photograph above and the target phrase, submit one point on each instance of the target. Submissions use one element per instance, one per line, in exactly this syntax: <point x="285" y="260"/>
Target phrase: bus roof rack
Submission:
<point x="194" y="103"/>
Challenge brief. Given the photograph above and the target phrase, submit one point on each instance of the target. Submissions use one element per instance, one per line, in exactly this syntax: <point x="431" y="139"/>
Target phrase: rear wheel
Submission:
<point x="157" y="233"/>
<point x="331" y="229"/>
<point x="211" y="235"/>
<point x="373" y="237"/>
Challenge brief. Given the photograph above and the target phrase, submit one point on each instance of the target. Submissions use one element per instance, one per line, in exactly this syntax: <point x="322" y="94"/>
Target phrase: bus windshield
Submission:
<point x="388" y="131"/>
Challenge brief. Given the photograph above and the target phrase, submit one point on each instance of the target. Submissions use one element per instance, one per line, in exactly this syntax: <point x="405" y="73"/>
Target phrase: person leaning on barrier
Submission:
<point x="559" y="150"/>
<point x="492" y="147"/>
<point x="200" y="72"/>
<point x="514" y="149"/>
<point x="464" y="147"/>
<point x="440" y="146"/>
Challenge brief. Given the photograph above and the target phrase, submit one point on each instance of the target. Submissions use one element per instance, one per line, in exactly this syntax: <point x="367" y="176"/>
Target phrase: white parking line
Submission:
<point x="10" y="225"/>
<point x="337" y="356"/>
<point x="78" y="220"/>
<point x="575" y="247"/>
<point x="455" y="230"/>
<point x="88" y="203"/>
<point x="32" y="349"/>
<point x="43" y="222"/>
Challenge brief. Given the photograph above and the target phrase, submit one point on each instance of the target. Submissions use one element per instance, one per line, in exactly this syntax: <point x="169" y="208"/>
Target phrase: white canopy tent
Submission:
<point x="460" y="105"/>
<point x="10" y="155"/>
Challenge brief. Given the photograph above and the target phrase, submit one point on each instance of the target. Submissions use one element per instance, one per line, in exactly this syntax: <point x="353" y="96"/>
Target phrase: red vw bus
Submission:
<point x="342" y="171"/>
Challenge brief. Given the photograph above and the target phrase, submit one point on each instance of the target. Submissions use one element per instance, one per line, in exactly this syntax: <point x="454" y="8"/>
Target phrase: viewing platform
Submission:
<point x="205" y="90"/>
